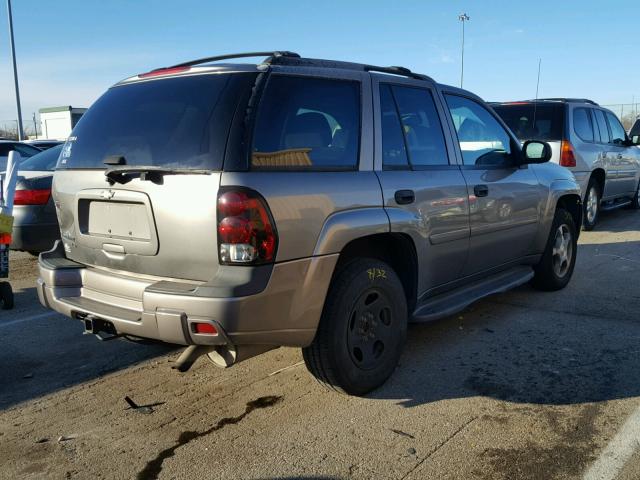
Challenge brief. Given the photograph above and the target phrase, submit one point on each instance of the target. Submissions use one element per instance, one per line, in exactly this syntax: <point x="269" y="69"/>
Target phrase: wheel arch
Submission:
<point x="395" y="249"/>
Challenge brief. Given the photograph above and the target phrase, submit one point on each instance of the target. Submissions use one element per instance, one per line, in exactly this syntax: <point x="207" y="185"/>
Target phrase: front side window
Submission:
<point x="307" y="123"/>
<point x="602" y="126"/>
<point x="483" y="141"/>
<point x="582" y="124"/>
<point x="617" y="130"/>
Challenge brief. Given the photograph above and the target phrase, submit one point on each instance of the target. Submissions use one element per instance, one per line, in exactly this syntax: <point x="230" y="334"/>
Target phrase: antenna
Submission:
<point x="535" y="105"/>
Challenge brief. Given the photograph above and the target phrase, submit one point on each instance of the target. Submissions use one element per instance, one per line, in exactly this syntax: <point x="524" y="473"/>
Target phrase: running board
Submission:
<point x="448" y="303"/>
<point x="604" y="207"/>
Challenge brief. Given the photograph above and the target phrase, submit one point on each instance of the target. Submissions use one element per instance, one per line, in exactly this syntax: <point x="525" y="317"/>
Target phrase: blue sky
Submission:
<point x="70" y="51"/>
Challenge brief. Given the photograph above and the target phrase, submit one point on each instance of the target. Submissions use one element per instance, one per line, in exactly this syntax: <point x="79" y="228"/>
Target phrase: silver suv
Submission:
<point x="587" y="139"/>
<point x="235" y="208"/>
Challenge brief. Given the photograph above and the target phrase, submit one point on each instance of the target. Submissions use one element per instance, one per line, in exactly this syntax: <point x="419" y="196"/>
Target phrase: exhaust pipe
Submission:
<point x="223" y="356"/>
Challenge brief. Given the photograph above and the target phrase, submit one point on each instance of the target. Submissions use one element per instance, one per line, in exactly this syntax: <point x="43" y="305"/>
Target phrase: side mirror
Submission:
<point x="634" y="139"/>
<point x="535" y="151"/>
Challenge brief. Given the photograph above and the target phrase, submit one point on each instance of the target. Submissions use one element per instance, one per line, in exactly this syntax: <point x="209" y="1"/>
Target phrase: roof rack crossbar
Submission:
<point x="394" y="70"/>
<point x="270" y="55"/>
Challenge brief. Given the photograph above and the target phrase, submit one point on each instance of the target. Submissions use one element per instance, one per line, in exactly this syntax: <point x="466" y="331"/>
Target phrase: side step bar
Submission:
<point x="448" y="303"/>
<point x="604" y="207"/>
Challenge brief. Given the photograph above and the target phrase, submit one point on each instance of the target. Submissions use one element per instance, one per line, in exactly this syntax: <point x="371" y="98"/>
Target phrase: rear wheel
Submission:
<point x="362" y="329"/>
<point x="6" y="296"/>
<point x="559" y="259"/>
<point x="591" y="204"/>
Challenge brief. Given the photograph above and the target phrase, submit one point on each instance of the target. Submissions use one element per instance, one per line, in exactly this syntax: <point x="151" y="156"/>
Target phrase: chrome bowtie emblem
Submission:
<point x="108" y="194"/>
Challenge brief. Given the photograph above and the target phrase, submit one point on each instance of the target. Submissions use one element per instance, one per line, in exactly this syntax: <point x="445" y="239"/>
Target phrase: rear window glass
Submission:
<point x="307" y="124"/>
<point x="43" y="161"/>
<point x="180" y="122"/>
<point x="528" y="122"/>
<point x="582" y="124"/>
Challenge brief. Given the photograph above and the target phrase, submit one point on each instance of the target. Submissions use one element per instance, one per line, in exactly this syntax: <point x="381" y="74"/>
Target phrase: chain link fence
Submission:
<point x="9" y="129"/>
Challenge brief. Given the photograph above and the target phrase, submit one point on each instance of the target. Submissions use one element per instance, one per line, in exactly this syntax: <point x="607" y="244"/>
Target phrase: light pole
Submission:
<point x="15" y="71"/>
<point x="463" y="17"/>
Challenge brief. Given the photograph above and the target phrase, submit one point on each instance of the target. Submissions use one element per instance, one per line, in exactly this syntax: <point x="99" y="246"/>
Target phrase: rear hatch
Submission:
<point x="535" y="121"/>
<point x="163" y="141"/>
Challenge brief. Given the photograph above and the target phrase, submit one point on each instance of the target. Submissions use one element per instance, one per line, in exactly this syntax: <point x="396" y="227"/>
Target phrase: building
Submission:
<point x="56" y="123"/>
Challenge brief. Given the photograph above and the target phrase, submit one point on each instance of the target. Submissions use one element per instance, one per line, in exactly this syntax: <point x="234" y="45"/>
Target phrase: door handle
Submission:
<point x="404" y="197"/>
<point x="619" y="156"/>
<point x="481" y="190"/>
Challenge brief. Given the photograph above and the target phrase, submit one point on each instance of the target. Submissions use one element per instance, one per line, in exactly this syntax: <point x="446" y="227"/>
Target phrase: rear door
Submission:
<point x="422" y="185"/>
<point x="504" y="197"/>
<point x="607" y="157"/>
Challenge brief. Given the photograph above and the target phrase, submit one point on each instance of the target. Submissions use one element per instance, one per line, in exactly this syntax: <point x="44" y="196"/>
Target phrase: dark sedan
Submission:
<point x="35" y="226"/>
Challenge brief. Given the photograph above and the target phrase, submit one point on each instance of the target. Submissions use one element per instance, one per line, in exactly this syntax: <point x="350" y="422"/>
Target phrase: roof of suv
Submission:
<point x="548" y="100"/>
<point x="273" y="58"/>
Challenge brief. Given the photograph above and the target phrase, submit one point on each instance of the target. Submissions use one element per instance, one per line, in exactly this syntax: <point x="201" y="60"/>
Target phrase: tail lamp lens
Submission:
<point x="567" y="155"/>
<point x="31" y="197"/>
<point x="246" y="234"/>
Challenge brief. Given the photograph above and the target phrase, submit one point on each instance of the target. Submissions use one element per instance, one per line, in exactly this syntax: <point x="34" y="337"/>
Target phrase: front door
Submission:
<point x="503" y="196"/>
<point x="625" y="158"/>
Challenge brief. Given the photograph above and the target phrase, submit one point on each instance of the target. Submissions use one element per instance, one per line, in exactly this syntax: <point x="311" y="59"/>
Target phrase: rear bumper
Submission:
<point x="285" y="312"/>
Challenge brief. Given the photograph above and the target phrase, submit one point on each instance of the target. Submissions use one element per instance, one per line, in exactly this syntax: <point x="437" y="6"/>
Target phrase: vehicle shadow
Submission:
<point x="42" y="352"/>
<point x="580" y="344"/>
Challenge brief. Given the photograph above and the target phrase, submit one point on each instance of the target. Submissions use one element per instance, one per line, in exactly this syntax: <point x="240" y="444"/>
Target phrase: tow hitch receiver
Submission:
<point x="96" y="326"/>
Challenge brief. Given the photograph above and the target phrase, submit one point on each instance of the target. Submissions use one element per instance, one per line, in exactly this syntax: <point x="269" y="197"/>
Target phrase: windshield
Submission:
<point x="520" y="117"/>
<point x="43" y="161"/>
<point x="180" y="122"/>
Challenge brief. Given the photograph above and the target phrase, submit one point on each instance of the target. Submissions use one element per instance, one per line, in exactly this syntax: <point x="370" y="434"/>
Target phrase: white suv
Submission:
<point x="587" y="139"/>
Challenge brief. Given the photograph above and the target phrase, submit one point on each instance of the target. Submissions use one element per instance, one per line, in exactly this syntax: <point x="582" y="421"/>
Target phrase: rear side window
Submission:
<point x="394" y="152"/>
<point x="617" y="130"/>
<point x="180" y="122"/>
<point x="582" y="124"/>
<point x="602" y="126"/>
<point x="421" y="126"/>
<point x="530" y="121"/>
<point x="307" y="123"/>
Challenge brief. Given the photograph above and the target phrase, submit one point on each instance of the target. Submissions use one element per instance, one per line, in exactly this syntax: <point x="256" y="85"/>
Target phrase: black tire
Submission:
<point x="362" y="329"/>
<point x="587" y="223"/>
<point x="6" y="296"/>
<point x="635" y="200"/>
<point x="554" y="273"/>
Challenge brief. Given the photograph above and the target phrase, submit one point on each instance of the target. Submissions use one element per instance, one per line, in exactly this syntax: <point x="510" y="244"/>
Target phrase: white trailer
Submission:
<point x="56" y="123"/>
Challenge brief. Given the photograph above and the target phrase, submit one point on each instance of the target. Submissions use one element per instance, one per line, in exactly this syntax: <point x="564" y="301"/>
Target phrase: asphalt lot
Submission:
<point x="523" y="385"/>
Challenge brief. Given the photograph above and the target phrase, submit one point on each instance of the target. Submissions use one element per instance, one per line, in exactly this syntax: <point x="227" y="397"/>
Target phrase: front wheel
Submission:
<point x="362" y="329"/>
<point x="559" y="259"/>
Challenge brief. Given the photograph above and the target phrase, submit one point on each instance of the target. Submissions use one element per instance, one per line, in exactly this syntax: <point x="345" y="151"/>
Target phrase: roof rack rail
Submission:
<point x="394" y="70"/>
<point x="270" y="55"/>
<point x="565" y="100"/>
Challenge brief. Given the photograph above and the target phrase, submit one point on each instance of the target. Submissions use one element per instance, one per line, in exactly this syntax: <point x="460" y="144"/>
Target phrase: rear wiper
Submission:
<point x="154" y="174"/>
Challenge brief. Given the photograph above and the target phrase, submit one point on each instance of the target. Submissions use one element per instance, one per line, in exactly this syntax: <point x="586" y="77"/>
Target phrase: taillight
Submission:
<point x="246" y="233"/>
<point x="567" y="155"/>
<point x="31" y="197"/>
